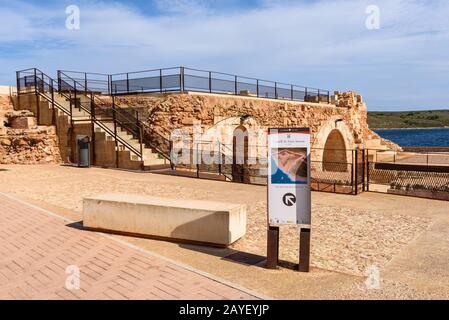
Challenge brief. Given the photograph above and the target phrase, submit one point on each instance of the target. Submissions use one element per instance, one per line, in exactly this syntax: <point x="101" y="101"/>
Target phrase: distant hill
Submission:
<point x="409" y="119"/>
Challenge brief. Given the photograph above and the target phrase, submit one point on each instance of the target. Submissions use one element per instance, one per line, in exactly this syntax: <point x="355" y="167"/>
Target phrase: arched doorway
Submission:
<point x="240" y="155"/>
<point x="334" y="154"/>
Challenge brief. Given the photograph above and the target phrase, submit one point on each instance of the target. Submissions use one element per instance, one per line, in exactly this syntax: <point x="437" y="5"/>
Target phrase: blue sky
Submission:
<point x="404" y="65"/>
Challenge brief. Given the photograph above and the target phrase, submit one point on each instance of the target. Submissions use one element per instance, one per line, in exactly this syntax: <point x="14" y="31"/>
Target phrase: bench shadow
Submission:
<point x="224" y="253"/>
<point x="237" y="256"/>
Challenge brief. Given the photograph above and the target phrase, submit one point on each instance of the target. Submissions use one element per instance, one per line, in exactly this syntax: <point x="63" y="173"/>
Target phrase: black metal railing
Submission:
<point x="107" y="108"/>
<point x="412" y="173"/>
<point x="79" y="97"/>
<point x="182" y="79"/>
<point x="343" y="176"/>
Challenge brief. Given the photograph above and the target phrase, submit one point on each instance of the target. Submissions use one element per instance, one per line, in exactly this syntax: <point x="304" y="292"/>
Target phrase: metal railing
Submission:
<point x="408" y="171"/>
<point x="35" y="81"/>
<point x="345" y="176"/>
<point x="122" y="117"/>
<point x="182" y="79"/>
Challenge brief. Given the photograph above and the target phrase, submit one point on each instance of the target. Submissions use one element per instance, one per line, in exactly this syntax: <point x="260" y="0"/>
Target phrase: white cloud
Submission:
<point x="324" y="43"/>
<point x="189" y="7"/>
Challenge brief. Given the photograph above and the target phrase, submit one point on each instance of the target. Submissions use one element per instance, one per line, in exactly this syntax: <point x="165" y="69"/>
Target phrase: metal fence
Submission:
<point x="181" y="79"/>
<point x="420" y="174"/>
<point x="347" y="177"/>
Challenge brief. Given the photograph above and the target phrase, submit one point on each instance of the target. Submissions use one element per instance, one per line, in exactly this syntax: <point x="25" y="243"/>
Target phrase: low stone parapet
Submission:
<point x="206" y="222"/>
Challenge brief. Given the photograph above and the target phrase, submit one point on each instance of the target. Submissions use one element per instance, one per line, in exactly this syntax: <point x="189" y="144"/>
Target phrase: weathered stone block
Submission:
<point x="192" y="220"/>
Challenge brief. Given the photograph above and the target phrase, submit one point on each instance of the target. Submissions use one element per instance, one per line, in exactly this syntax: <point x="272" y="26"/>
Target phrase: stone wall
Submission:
<point x="22" y="141"/>
<point x="221" y="114"/>
<point x="38" y="146"/>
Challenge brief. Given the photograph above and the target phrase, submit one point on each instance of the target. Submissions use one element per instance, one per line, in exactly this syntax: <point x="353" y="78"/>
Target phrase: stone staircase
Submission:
<point x="104" y="137"/>
<point x="149" y="159"/>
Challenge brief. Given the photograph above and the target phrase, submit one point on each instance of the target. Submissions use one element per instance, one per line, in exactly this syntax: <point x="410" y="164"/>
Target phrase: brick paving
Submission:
<point x="37" y="247"/>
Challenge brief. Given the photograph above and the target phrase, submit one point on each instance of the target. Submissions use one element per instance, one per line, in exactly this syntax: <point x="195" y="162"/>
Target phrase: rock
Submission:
<point x="5" y="142"/>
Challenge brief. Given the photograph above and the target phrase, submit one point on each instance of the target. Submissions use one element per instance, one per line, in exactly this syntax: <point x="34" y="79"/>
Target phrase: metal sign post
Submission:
<point x="289" y="190"/>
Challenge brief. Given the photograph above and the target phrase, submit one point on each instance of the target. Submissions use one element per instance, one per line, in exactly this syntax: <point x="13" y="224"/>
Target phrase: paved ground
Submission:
<point x="36" y="249"/>
<point x="408" y="236"/>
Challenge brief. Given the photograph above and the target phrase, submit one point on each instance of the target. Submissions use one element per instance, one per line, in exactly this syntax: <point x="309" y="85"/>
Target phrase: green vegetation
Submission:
<point x="408" y="119"/>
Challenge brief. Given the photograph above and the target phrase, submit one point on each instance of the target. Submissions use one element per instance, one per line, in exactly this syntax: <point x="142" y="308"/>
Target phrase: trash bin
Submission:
<point x="83" y="151"/>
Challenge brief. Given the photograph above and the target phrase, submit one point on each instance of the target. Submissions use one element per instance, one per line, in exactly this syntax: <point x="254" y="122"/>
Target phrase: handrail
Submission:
<point x="97" y="121"/>
<point x="147" y="128"/>
<point x="150" y="84"/>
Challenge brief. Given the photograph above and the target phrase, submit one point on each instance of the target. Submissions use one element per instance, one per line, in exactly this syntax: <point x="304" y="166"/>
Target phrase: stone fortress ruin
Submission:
<point x="142" y="120"/>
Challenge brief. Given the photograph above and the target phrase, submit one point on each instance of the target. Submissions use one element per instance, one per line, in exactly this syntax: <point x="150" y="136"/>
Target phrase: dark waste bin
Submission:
<point x="83" y="151"/>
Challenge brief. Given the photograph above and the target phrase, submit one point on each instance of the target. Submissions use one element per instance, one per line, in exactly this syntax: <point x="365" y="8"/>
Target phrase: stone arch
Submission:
<point x="223" y="131"/>
<point x="340" y="135"/>
<point x="335" y="152"/>
<point x="240" y="147"/>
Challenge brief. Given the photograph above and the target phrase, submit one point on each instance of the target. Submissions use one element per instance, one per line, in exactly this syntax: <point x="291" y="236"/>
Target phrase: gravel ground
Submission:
<point x="343" y="240"/>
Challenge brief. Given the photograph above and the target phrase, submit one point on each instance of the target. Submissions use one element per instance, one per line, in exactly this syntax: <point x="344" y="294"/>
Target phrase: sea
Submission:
<point x="438" y="137"/>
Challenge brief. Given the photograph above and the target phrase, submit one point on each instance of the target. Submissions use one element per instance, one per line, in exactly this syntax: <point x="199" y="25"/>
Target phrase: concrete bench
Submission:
<point x="204" y="222"/>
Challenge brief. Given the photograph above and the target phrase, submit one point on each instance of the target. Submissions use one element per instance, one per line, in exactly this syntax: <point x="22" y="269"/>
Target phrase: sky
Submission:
<point x="402" y="63"/>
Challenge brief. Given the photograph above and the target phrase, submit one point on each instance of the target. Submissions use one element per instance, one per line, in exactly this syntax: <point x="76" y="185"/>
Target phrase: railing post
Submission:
<point x="42" y="84"/>
<point x="110" y="84"/>
<point x="305" y="94"/>
<point x="319" y="97"/>
<point x="210" y="82"/>
<point x="257" y="88"/>
<point x="235" y="84"/>
<point x="127" y="83"/>
<point x="59" y="81"/>
<point x="275" y="90"/>
<point x="141" y="144"/>
<point x="352" y="170"/>
<point x="18" y="81"/>
<point x="221" y="159"/>
<point x="85" y="83"/>
<point x="76" y="102"/>
<point x="363" y="169"/>
<point x="160" y="81"/>
<point x="197" y="162"/>
<point x="71" y="108"/>
<point x="18" y="87"/>
<point x="328" y="97"/>
<point x="114" y="117"/>
<point x="93" y="118"/>
<point x="36" y="90"/>
<point x="170" y="142"/>
<point x="367" y="171"/>
<point x="182" y="79"/>
<point x="52" y="90"/>
<point x="292" y="93"/>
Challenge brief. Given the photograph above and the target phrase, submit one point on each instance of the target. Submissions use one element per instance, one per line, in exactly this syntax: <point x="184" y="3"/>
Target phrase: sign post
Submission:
<point x="289" y="190"/>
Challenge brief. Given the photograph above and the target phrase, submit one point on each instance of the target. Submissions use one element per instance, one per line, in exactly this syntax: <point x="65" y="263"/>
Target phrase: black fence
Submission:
<point x="420" y="174"/>
<point x="346" y="176"/>
<point x="181" y="79"/>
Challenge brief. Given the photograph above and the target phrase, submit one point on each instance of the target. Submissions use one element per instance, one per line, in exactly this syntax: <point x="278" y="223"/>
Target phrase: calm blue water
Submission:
<point x="417" y="137"/>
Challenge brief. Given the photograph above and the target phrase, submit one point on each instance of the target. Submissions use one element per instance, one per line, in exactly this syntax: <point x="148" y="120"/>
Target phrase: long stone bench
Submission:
<point x="204" y="222"/>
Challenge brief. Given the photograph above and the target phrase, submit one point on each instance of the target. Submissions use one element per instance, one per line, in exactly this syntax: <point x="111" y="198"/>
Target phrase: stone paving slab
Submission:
<point x="37" y="247"/>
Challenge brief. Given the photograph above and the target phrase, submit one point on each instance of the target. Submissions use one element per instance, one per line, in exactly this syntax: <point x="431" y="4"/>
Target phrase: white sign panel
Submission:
<point x="289" y="192"/>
